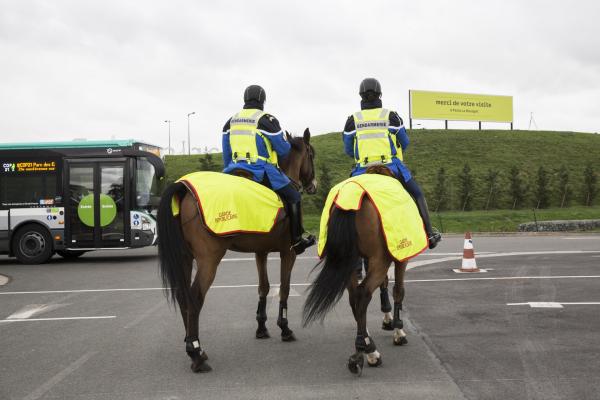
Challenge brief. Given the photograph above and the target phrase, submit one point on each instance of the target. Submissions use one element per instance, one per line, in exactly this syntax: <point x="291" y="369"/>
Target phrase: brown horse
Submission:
<point x="351" y="235"/>
<point x="186" y="238"/>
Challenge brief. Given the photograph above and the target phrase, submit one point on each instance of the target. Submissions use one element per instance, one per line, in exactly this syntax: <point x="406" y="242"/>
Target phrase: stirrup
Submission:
<point x="303" y="243"/>
<point x="434" y="237"/>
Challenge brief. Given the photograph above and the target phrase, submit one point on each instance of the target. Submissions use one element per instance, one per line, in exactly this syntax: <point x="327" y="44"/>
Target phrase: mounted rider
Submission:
<point x="376" y="136"/>
<point x="253" y="141"/>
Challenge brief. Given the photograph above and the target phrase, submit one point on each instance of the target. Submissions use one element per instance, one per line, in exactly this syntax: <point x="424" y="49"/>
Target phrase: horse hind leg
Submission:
<point x="384" y="297"/>
<point x="205" y="275"/>
<point x="263" y="291"/>
<point x="287" y="263"/>
<point x="364" y="344"/>
<point x="191" y="342"/>
<point x="399" y="334"/>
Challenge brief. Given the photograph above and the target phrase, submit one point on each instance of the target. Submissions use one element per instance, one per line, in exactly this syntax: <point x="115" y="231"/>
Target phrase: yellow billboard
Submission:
<point x="460" y="106"/>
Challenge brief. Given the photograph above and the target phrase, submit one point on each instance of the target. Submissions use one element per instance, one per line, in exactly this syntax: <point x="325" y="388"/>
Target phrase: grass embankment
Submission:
<point x="482" y="150"/>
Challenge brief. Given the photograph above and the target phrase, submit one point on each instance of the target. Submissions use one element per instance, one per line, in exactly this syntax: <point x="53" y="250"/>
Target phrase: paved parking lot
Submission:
<point x="100" y="328"/>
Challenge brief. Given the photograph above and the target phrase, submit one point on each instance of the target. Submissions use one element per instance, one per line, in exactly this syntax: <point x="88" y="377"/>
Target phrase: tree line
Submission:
<point x="512" y="189"/>
<point x="483" y="190"/>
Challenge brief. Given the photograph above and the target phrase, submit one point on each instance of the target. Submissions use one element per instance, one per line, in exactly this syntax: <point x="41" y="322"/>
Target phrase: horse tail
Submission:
<point x="341" y="256"/>
<point x="173" y="252"/>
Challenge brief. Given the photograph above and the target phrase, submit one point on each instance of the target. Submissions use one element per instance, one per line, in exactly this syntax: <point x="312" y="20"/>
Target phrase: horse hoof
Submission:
<point x="200" y="367"/>
<point x="376" y="363"/>
<point x="290" y="337"/>
<point x="355" y="364"/>
<point x="387" y="326"/>
<point x="400" y="341"/>
<point x="262" y="334"/>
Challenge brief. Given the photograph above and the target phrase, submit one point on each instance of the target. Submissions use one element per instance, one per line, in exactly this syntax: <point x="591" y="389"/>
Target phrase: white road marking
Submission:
<point x="553" y="304"/>
<point x="57" y="319"/>
<point x="504" y="278"/>
<point x="538" y="304"/>
<point x="582" y="238"/>
<point x="27" y="311"/>
<point x="411" y="265"/>
<point x="50" y="383"/>
<point x="3" y="280"/>
<point x="274" y="292"/>
<point x="32" y="309"/>
<point x="269" y="258"/>
<point x="145" y="314"/>
<point x="479" y="271"/>
<point x="500" y="278"/>
<point x="414" y="264"/>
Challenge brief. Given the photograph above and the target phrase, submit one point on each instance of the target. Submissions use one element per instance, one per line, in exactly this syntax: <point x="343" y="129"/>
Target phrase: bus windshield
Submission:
<point x="146" y="190"/>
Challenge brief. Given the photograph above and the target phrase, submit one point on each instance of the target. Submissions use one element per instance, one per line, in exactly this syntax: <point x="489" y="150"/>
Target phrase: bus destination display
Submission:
<point x="29" y="166"/>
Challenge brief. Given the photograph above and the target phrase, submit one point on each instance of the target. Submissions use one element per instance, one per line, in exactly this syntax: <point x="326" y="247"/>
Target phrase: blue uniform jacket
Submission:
<point x="397" y="133"/>
<point x="270" y="128"/>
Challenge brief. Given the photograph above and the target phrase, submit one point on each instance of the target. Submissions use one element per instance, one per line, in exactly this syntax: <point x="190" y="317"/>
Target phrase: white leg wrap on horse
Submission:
<point x="373" y="357"/>
<point x="387" y="317"/>
<point x="399" y="333"/>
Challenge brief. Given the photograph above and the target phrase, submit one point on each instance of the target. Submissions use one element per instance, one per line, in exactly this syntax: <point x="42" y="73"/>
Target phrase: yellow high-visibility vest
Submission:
<point x="373" y="137"/>
<point x="243" y="128"/>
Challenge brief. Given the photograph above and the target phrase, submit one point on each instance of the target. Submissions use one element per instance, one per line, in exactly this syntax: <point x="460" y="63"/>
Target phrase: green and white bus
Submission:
<point x="72" y="197"/>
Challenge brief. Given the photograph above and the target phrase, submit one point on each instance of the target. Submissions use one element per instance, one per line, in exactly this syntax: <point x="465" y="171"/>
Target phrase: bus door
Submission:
<point x="97" y="206"/>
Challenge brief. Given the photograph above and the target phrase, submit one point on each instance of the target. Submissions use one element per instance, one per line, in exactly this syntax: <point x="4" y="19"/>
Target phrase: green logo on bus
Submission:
<point x="108" y="210"/>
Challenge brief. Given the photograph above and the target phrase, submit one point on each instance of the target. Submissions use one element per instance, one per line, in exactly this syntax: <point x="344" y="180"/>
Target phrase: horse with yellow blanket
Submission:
<point x="370" y="216"/>
<point x="203" y="215"/>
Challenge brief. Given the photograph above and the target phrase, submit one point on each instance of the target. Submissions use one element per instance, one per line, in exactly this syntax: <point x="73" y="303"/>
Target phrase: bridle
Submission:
<point x="299" y="186"/>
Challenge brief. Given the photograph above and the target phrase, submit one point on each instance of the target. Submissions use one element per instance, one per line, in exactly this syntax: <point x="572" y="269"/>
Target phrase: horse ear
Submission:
<point x="288" y="137"/>
<point x="306" y="136"/>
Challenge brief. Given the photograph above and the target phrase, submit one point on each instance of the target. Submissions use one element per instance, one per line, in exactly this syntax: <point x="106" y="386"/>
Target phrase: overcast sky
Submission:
<point x="102" y="69"/>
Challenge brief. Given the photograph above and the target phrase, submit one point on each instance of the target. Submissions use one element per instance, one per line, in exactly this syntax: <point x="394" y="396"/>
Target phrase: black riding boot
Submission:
<point x="299" y="243"/>
<point x="434" y="237"/>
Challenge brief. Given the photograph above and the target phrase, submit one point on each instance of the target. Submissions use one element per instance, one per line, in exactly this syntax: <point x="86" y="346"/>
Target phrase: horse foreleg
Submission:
<point x="386" y="307"/>
<point x="287" y="263"/>
<point x="263" y="292"/>
<point x="205" y="275"/>
<point x="399" y="334"/>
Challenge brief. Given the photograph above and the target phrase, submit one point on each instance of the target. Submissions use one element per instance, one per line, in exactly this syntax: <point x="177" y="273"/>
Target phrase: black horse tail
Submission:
<point x="341" y="256"/>
<point x="173" y="252"/>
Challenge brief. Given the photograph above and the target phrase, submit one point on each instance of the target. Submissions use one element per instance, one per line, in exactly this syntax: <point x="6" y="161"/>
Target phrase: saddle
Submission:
<point x="231" y="204"/>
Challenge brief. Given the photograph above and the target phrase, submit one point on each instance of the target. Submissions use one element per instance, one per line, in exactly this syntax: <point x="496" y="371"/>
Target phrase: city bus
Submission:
<point x="68" y="198"/>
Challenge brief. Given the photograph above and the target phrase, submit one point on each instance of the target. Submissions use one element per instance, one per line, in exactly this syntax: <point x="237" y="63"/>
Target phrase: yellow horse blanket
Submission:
<point x="230" y="204"/>
<point x="402" y="225"/>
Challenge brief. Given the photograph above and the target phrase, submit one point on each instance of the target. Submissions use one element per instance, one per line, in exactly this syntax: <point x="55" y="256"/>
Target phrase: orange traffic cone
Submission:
<point x="468" y="259"/>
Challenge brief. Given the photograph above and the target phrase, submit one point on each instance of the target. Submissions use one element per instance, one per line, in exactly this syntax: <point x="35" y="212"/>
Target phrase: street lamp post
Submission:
<point x="189" y="148"/>
<point x="168" y="121"/>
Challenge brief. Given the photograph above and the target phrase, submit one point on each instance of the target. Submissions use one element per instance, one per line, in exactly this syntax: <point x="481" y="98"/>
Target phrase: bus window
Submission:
<point x="26" y="189"/>
<point x="146" y="188"/>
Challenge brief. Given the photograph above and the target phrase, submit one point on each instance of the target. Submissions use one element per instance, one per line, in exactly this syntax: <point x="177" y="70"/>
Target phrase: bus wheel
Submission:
<point x="32" y="244"/>
<point x="70" y="254"/>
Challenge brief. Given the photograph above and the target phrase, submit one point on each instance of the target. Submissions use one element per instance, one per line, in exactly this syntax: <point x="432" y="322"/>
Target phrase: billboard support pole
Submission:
<point x="409" y="113"/>
<point x="511" y="126"/>
<point x="446" y="124"/>
<point x="479" y="125"/>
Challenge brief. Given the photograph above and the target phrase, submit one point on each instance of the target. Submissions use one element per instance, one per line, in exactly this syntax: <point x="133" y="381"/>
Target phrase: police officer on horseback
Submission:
<point x="376" y="136"/>
<point x="253" y="141"/>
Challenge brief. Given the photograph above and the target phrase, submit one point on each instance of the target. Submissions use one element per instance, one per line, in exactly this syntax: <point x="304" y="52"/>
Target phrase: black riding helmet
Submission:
<point x="254" y="94"/>
<point x="370" y="89"/>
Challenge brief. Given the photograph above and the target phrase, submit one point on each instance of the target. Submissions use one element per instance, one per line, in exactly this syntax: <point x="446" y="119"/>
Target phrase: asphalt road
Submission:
<point x="472" y="336"/>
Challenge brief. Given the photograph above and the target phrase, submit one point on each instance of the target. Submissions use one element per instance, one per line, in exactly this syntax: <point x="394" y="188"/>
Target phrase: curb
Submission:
<point x="461" y="235"/>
